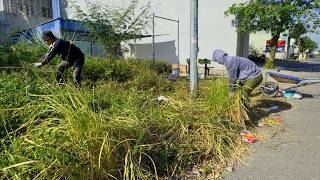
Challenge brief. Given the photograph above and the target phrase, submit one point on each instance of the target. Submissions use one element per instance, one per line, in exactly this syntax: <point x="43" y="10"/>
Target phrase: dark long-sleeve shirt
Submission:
<point x="68" y="52"/>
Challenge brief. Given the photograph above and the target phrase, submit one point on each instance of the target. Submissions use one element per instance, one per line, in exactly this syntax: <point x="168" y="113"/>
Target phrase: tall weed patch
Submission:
<point x="113" y="127"/>
<point x="118" y="131"/>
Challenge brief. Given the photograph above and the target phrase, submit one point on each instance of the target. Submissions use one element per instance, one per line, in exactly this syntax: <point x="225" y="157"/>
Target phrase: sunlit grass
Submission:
<point x="113" y="130"/>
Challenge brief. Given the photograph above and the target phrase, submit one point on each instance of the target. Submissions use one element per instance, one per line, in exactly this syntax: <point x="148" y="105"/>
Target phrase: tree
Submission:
<point x="308" y="44"/>
<point x="272" y="16"/>
<point x="296" y="32"/>
<point x="304" y="43"/>
<point x="111" y="27"/>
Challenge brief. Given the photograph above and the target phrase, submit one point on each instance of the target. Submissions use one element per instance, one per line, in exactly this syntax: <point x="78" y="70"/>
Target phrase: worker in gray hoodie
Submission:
<point x="239" y="68"/>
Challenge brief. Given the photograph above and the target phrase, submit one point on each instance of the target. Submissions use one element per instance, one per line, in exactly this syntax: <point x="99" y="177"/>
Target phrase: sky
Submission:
<point x="315" y="37"/>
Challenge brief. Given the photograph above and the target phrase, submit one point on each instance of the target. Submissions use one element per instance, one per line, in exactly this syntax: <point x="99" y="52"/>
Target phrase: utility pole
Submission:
<point x="153" y="45"/>
<point x="194" y="47"/>
<point x="179" y="44"/>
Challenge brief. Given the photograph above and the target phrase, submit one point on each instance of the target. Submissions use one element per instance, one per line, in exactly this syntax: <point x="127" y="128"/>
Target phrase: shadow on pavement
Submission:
<point x="307" y="96"/>
<point x="297" y="66"/>
<point x="261" y="108"/>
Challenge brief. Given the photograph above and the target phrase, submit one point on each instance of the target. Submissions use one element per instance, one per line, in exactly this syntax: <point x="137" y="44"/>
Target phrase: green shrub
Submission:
<point x="163" y="68"/>
<point x="24" y="53"/>
<point x="119" y="70"/>
<point x="7" y="57"/>
<point x="21" y="53"/>
<point x="150" y="81"/>
<point x="140" y="64"/>
<point x="96" y="69"/>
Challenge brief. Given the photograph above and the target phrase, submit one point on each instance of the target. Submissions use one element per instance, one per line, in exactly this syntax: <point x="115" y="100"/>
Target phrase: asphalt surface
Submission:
<point x="290" y="151"/>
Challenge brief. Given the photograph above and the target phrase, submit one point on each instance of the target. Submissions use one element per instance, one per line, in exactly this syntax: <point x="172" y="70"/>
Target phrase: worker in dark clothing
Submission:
<point x="71" y="55"/>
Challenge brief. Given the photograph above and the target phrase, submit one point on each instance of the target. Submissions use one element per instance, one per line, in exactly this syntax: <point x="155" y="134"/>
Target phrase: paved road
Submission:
<point x="290" y="151"/>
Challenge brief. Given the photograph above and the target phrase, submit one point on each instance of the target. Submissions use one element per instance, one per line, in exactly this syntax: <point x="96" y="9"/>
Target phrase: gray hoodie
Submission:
<point x="238" y="68"/>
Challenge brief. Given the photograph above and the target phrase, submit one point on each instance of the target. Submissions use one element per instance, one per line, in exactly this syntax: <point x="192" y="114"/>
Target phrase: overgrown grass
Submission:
<point x="113" y="128"/>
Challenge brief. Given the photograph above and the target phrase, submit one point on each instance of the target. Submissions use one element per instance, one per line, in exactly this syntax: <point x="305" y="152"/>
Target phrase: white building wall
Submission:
<point x="1" y="5"/>
<point x="215" y="30"/>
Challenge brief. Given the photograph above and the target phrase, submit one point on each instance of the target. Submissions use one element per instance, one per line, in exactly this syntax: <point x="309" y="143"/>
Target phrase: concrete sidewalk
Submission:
<point x="290" y="151"/>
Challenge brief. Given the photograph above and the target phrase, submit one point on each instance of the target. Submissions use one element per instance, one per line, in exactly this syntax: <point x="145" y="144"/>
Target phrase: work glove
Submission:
<point x="37" y="64"/>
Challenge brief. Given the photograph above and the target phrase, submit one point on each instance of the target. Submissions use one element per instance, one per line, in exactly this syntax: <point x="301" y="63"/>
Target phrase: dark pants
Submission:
<point x="251" y="84"/>
<point x="247" y="87"/>
<point x="77" y="66"/>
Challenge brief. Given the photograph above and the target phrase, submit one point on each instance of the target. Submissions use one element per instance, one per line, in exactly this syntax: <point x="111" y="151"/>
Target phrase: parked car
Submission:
<point x="257" y="58"/>
<point x="311" y="55"/>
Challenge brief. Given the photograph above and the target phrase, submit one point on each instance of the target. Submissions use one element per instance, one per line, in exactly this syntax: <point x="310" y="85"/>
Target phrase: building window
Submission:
<point x="27" y="10"/>
<point x="20" y="8"/>
<point x="31" y="10"/>
<point x="12" y="7"/>
<point x="46" y="12"/>
<point x="39" y="8"/>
